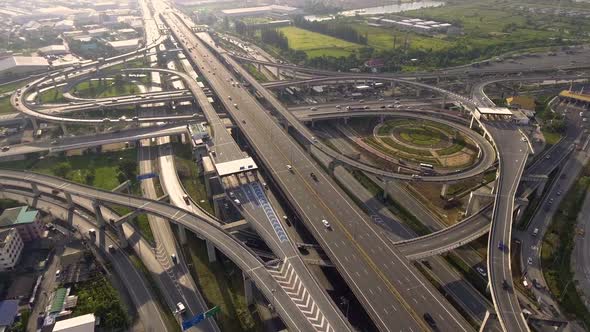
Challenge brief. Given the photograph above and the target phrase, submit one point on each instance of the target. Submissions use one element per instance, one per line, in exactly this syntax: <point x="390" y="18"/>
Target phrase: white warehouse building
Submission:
<point x="19" y="65"/>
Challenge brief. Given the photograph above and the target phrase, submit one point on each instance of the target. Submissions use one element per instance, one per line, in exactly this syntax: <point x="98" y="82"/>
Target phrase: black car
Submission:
<point x="314" y="177"/>
<point x="429" y="320"/>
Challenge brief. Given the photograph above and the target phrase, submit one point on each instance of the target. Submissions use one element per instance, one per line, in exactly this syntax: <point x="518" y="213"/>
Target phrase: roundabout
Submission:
<point x="424" y="141"/>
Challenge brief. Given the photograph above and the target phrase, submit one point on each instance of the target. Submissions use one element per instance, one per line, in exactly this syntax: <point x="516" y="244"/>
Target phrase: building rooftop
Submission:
<point x="17" y="216"/>
<point x="494" y="111"/>
<point x="81" y="323"/>
<point x="16" y="61"/>
<point x="59" y="299"/>
<point x="248" y="10"/>
<point x="235" y="166"/>
<point x="578" y="96"/>
<point x="53" y="48"/>
<point x="124" y="43"/>
<point x="522" y="101"/>
<point x="8" y="310"/>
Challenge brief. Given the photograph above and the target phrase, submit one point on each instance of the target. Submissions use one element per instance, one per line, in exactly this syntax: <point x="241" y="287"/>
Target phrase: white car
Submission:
<point x="326" y="223"/>
<point x="481" y="271"/>
<point x="529" y="261"/>
<point x="180" y="308"/>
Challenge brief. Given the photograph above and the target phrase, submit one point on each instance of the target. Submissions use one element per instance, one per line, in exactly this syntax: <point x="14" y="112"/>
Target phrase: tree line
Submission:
<point x="274" y="37"/>
<point x="331" y="28"/>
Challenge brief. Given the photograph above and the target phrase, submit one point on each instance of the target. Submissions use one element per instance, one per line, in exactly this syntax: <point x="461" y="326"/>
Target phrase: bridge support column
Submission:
<point x="331" y="166"/>
<point x="35" y="124"/>
<point x="63" y="128"/>
<point x="121" y="236"/>
<point x="472" y="204"/>
<point x="418" y="92"/>
<point x="35" y="189"/>
<point x="211" y="251"/>
<point x="69" y="200"/>
<point x="541" y="188"/>
<point x="345" y="120"/>
<point x="98" y="213"/>
<point x="248" y="289"/>
<point x="444" y="189"/>
<point x="381" y="118"/>
<point x="386" y="189"/>
<point x="182" y="234"/>
<point x="471" y="122"/>
<point x="258" y="67"/>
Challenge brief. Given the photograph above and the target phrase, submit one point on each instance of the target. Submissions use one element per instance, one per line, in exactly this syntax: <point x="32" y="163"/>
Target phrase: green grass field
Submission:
<point x="421" y="136"/>
<point x="493" y="22"/>
<point x="382" y="39"/>
<point x="316" y="44"/>
<point x="221" y="285"/>
<point x="52" y="96"/>
<point x="557" y="249"/>
<point x="106" y="90"/>
<point x="6" y="106"/>
<point x="105" y="167"/>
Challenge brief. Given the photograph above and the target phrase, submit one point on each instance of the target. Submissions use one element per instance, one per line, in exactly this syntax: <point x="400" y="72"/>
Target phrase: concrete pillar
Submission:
<point x="332" y="166"/>
<point x="345" y="120"/>
<point x="35" y="189"/>
<point x="386" y="189"/>
<point x="182" y="234"/>
<point x="211" y="252"/>
<point x="258" y="67"/>
<point x="278" y="73"/>
<point x="248" y="289"/>
<point x="472" y="204"/>
<point x="417" y="92"/>
<point x="69" y="200"/>
<point x="471" y="122"/>
<point x="35" y="124"/>
<point x="216" y="208"/>
<point x="444" y="189"/>
<point x="541" y="188"/>
<point x="63" y="128"/>
<point x="98" y="213"/>
<point x="381" y="118"/>
<point x="121" y="236"/>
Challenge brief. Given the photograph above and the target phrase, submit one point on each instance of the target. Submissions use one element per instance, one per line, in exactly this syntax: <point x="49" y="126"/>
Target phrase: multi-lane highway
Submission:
<point x="234" y="249"/>
<point x="84" y="142"/>
<point x="135" y="283"/>
<point x="364" y="258"/>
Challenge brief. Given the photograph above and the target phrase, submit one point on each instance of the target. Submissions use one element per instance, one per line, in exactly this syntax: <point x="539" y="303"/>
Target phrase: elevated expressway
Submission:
<point x="135" y="283"/>
<point x="82" y="142"/>
<point x="506" y="68"/>
<point x="512" y="152"/>
<point x="365" y="258"/>
<point x="231" y="247"/>
<point x="47" y="114"/>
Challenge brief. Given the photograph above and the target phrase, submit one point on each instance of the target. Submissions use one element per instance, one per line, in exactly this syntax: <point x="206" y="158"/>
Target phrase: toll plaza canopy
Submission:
<point x="235" y="166"/>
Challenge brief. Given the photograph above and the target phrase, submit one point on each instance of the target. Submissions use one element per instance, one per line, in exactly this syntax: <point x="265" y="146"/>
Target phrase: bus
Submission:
<point x="427" y="166"/>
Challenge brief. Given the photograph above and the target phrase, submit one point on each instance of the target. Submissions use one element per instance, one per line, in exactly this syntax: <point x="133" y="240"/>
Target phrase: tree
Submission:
<point x="129" y="169"/>
<point x="62" y="169"/>
<point x="119" y="84"/>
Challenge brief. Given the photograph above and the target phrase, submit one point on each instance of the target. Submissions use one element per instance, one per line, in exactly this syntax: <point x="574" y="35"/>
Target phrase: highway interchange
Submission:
<point x="369" y="262"/>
